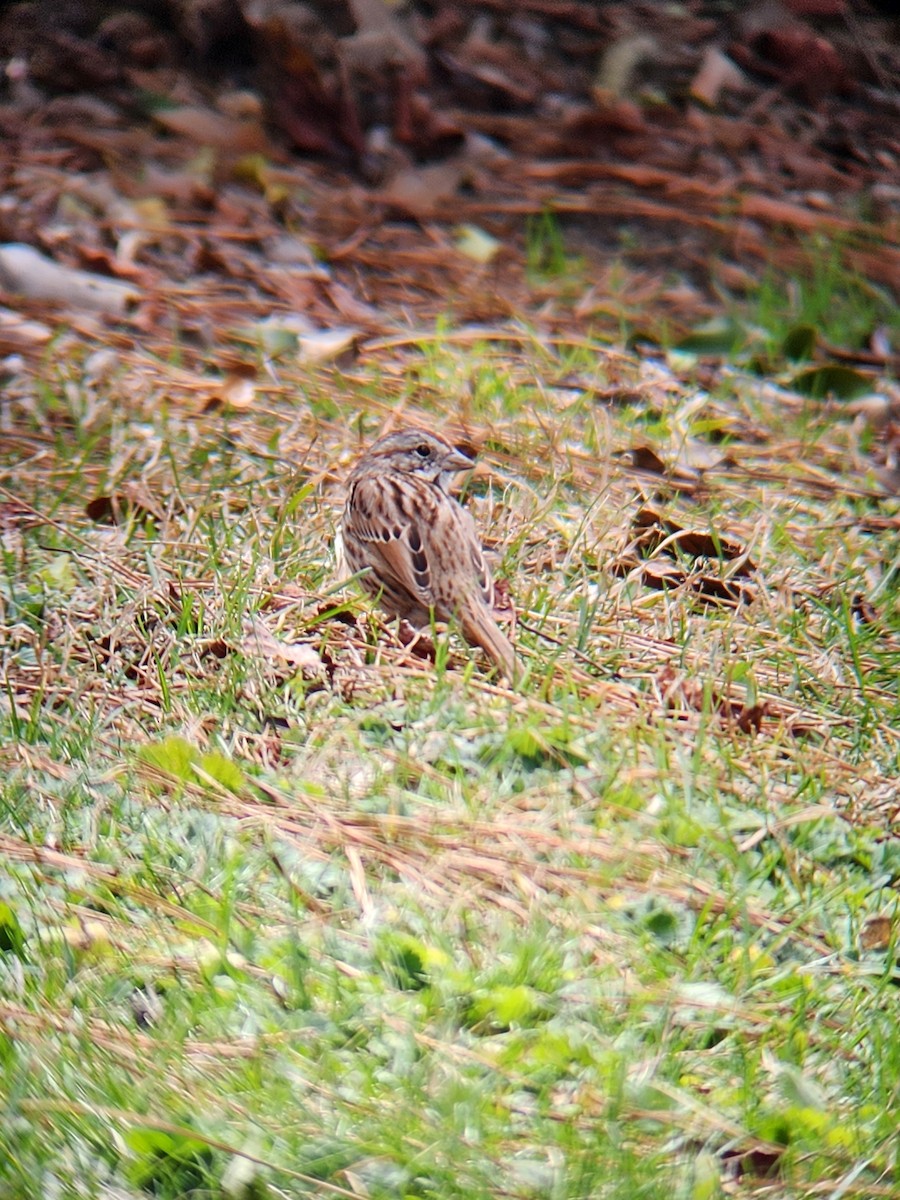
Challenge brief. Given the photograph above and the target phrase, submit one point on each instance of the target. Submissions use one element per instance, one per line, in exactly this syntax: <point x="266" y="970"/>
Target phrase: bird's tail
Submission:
<point x="480" y="629"/>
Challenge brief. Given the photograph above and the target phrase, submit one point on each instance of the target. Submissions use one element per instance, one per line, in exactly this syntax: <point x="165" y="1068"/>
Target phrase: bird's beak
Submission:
<point x="457" y="461"/>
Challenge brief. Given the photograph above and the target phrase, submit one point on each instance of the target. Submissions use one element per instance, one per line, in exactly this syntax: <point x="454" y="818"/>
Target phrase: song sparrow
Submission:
<point x="417" y="546"/>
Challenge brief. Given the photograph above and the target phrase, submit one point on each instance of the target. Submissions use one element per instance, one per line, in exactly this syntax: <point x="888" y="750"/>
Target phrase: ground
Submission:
<point x="294" y="903"/>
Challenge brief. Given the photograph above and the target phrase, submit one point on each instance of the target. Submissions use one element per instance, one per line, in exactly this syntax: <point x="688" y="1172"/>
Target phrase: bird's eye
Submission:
<point x="423" y="450"/>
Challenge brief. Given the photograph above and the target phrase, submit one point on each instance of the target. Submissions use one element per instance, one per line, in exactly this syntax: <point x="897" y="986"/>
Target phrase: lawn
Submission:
<point x="291" y="907"/>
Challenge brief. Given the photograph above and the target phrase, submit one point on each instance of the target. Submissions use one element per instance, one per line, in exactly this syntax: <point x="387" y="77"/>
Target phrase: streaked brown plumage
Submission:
<point x="418" y="547"/>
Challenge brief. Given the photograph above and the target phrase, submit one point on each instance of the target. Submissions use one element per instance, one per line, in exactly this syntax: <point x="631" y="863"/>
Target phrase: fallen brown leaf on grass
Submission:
<point x="132" y="501"/>
<point x="655" y="531"/>
<point x="662" y="576"/>
<point x="417" y="641"/>
<point x="657" y="536"/>
<point x="877" y="933"/>
<point x="260" y="642"/>
<point x="645" y="460"/>
<point x="681" y="692"/>
<point x="237" y="391"/>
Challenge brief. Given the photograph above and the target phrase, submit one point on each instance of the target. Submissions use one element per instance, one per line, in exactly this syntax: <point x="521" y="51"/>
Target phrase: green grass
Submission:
<point x="841" y="306"/>
<point x="286" y="910"/>
<point x="547" y="260"/>
<point x="797" y="313"/>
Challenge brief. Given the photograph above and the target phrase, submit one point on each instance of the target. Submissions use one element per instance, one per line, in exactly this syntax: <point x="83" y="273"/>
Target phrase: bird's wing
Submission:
<point x="390" y="518"/>
<point x="482" y="570"/>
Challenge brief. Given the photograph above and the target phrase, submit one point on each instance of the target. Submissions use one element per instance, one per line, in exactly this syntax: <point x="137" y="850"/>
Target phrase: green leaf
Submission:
<point x="502" y="1007"/>
<point x="795" y="1123"/>
<point x="410" y="961"/>
<point x="221" y="769"/>
<point x="12" y="936"/>
<point x="299" y="497"/>
<point x="524" y="742"/>
<point x="662" y="925"/>
<point x="174" y="755"/>
<point x="799" y="343"/>
<point x="405" y="960"/>
<point x="178" y="758"/>
<point x="323" y="1157"/>
<point x="168" y="1164"/>
<point x="801" y="1090"/>
<point x="58" y="575"/>
<point x="707" y="1177"/>
<point x="718" y="336"/>
<point x="834" y="380"/>
<point x="542" y="747"/>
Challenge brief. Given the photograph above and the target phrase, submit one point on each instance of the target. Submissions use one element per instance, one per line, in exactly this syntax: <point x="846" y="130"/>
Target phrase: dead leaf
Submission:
<point x="206" y="127"/>
<point x="237" y="391"/>
<point x="418" y="641"/>
<point x="419" y="191"/>
<point x="132" y="501"/>
<point x="26" y="272"/>
<point x="697" y="456"/>
<point x="864" y="610"/>
<point x="657" y="536"/>
<point x="381" y="42"/>
<point x="749" y="718"/>
<point x="325" y="345"/>
<point x="722" y="591"/>
<point x="288" y="250"/>
<point x="654" y="529"/>
<point x="644" y="458"/>
<point x="215" y="649"/>
<point x="816" y="9"/>
<point x="619" y="62"/>
<point x="487" y="57"/>
<point x="351" y="307"/>
<point x="260" y="642"/>
<point x="18" y="333"/>
<point x="503" y="608"/>
<point x="474" y="243"/>
<point x="804" y="61"/>
<point x="717" y="72"/>
<point x="659" y="575"/>
<point x="876" y="933"/>
<point x="681" y="692"/>
<point x="15" y="518"/>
